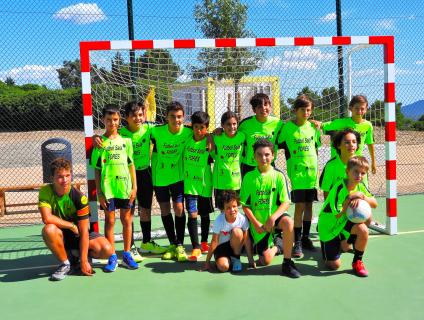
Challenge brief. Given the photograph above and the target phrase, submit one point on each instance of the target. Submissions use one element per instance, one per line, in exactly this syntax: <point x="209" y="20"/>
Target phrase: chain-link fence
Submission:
<point x="40" y="95"/>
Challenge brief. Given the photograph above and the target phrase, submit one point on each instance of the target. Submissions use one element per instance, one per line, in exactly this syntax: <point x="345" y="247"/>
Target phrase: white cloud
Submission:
<point x="385" y="24"/>
<point x="81" y="13"/>
<point x="419" y="62"/>
<point x="184" y="78"/>
<point x="37" y="74"/>
<point x="304" y="58"/>
<point x="329" y="17"/>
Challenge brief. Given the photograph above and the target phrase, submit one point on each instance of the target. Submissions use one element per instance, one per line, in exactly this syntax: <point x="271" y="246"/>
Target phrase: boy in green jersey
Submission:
<point x="169" y="141"/>
<point x="358" y="106"/>
<point x="198" y="182"/>
<point x="115" y="183"/>
<point x="229" y="148"/>
<point x="346" y="143"/>
<point x="300" y="141"/>
<point x="260" y="126"/>
<point x="65" y="213"/>
<point x="333" y="225"/>
<point x="265" y="200"/>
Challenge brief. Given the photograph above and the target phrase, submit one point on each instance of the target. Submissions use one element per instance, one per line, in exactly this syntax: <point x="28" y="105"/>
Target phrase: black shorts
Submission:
<point x="202" y="205"/>
<point x="116" y="203"/>
<point x="218" y="196"/>
<point x="174" y="191"/>
<point x="332" y="249"/>
<point x="260" y="247"/>
<point x="304" y="195"/>
<point x="71" y="241"/>
<point x="245" y="168"/>
<point x="144" y="188"/>
<point x="223" y="250"/>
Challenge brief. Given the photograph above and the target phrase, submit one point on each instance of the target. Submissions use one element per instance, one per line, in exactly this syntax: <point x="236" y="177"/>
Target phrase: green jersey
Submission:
<point x="330" y="221"/>
<point x="113" y="160"/>
<point x="167" y="159"/>
<point x="141" y="144"/>
<point x="255" y="130"/>
<point x="333" y="172"/>
<point x="300" y="144"/>
<point x="364" y="128"/>
<point x="227" y="155"/>
<point x="72" y="206"/>
<point x="197" y="168"/>
<point x="263" y="193"/>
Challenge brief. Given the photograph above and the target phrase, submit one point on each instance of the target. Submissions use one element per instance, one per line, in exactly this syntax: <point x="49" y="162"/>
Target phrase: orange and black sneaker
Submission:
<point x="359" y="268"/>
<point x="195" y="254"/>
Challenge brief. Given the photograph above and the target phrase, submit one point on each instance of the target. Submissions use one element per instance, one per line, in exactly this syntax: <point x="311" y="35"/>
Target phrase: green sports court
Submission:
<point x="170" y="290"/>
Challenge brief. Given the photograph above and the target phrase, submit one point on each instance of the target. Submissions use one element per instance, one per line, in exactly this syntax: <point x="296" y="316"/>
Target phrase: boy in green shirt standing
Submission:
<point x="198" y="182"/>
<point x="333" y="225"/>
<point x="265" y="200"/>
<point x="169" y="141"/>
<point x="300" y="141"/>
<point x="260" y="126"/>
<point x="358" y="106"/>
<point x="115" y="183"/>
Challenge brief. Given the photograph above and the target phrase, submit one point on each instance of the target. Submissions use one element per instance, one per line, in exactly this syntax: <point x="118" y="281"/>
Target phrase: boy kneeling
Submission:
<point x="333" y="224"/>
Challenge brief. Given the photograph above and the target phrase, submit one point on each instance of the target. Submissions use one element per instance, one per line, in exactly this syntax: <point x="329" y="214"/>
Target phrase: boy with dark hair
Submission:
<point x="260" y="126"/>
<point x="169" y="141"/>
<point x="333" y="225"/>
<point x="265" y="200"/>
<point x="115" y="184"/>
<point x="300" y="141"/>
<point x="198" y="182"/>
<point x="65" y="213"/>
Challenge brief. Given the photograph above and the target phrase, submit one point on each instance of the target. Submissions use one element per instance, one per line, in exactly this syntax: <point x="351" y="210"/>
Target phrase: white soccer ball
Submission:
<point x="361" y="213"/>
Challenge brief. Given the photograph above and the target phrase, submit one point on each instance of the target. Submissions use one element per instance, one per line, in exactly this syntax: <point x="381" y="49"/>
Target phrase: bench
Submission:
<point x="30" y="187"/>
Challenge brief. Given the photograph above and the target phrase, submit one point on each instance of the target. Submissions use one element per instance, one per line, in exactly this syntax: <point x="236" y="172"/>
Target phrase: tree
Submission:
<point x="70" y="74"/>
<point x="157" y="65"/>
<point x="9" y="81"/>
<point x="224" y="19"/>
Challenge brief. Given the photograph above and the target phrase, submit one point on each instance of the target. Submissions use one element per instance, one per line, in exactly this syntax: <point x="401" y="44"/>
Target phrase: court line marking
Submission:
<point x="104" y="261"/>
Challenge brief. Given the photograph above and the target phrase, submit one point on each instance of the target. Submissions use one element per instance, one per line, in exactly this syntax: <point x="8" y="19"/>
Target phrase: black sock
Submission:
<point x="180" y="228"/>
<point x="286" y="260"/>
<point x="146" y="229"/>
<point x="193" y="232"/>
<point x="297" y="234"/>
<point x="351" y="239"/>
<point x="168" y="224"/>
<point x="306" y="228"/>
<point x="237" y="256"/>
<point x="358" y="255"/>
<point x="205" y="222"/>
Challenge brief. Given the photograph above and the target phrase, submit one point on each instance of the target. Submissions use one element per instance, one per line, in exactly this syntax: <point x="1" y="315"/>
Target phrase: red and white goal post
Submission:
<point x="309" y="45"/>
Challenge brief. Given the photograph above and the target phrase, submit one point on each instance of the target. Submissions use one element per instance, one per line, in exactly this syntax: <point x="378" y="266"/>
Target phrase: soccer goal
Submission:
<point x="216" y="75"/>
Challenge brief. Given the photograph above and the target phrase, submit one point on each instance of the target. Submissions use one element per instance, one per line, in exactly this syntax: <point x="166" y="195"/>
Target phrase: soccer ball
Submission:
<point x="360" y="214"/>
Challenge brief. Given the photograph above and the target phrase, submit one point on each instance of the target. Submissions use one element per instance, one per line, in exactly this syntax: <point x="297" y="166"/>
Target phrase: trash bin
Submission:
<point x="52" y="149"/>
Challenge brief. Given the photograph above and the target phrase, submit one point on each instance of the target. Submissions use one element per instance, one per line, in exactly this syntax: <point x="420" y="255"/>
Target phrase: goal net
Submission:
<point x="216" y="75"/>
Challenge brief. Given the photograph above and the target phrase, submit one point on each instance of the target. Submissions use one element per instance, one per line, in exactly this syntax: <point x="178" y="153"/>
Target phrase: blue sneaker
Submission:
<point x="112" y="263"/>
<point x="128" y="261"/>
<point x="236" y="264"/>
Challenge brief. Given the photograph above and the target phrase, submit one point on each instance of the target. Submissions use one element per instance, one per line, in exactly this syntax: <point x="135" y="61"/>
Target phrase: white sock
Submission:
<point x="66" y="262"/>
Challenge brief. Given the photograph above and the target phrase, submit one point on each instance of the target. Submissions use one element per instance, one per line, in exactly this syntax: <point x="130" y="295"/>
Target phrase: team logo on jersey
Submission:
<point x="84" y="200"/>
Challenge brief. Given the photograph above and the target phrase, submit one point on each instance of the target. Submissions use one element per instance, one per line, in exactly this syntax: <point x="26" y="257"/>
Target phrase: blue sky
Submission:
<point x="38" y="35"/>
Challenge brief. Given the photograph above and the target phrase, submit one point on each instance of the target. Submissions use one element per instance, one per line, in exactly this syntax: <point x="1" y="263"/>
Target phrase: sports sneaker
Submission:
<point x="236" y="264"/>
<point x="297" y="250"/>
<point x="152" y="247"/>
<point x="308" y="244"/>
<point x="170" y="253"/>
<point x="128" y="261"/>
<point x="135" y="254"/>
<point x="61" y="272"/>
<point x="289" y="269"/>
<point x="112" y="263"/>
<point x="180" y="254"/>
<point x="359" y="268"/>
<point x="204" y="247"/>
<point x="195" y="254"/>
